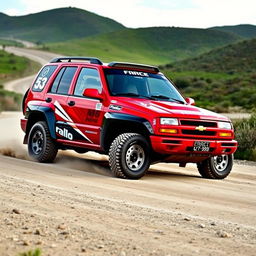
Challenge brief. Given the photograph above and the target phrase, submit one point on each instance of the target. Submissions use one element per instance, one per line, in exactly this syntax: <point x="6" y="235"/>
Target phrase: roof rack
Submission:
<point x="92" y="60"/>
<point x="133" y="65"/>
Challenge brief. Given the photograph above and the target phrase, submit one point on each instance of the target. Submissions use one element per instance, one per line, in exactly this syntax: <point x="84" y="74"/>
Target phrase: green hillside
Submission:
<point x="156" y="45"/>
<point x="56" y="25"/>
<point x="223" y="79"/>
<point x="246" y="30"/>
<point x="239" y="57"/>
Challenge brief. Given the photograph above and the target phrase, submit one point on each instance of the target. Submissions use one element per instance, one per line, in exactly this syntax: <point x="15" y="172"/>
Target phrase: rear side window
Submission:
<point x="42" y="78"/>
<point x="63" y="80"/>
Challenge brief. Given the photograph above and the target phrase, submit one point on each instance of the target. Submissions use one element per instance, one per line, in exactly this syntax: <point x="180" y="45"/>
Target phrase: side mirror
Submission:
<point x="92" y="93"/>
<point x="190" y="101"/>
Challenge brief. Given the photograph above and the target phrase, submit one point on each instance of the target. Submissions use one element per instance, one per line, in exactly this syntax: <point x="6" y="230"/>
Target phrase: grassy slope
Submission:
<point x="7" y="42"/>
<point x="240" y="57"/>
<point x="56" y="25"/>
<point x="155" y="45"/>
<point x="246" y="31"/>
<point x="12" y="67"/>
<point x="221" y="79"/>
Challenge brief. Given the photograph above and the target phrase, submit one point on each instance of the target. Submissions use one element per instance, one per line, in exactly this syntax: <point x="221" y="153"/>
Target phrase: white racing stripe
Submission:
<point x="63" y="114"/>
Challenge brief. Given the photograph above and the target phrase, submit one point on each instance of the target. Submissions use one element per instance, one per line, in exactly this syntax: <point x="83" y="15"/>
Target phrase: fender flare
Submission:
<point x="110" y="118"/>
<point x="47" y="112"/>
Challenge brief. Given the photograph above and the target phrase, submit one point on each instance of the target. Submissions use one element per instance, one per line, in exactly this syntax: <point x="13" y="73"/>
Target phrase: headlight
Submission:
<point x="169" y="121"/>
<point x="225" y="125"/>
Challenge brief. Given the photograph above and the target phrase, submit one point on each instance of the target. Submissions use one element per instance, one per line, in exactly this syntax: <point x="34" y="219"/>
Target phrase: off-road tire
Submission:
<point x="41" y="146"/>
<point x="126" y="149"/>
<point x="210" y="169"/>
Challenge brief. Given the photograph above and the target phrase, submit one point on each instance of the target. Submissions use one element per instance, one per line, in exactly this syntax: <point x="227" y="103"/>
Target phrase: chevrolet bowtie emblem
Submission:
<point x="200" y="128"/>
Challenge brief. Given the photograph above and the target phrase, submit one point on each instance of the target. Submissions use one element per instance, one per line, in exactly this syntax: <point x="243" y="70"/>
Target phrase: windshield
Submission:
<point x="127" y="83"/>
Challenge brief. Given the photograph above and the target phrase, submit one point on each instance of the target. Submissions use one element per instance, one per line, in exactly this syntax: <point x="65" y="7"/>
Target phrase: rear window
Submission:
<point x="43" y="77"/>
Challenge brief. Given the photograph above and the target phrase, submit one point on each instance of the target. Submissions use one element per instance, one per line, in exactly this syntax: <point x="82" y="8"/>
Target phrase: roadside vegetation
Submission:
<point x="222" y="80"/>
<point x="245" y="131"/>
<point x="12" y="67"/>
<point x="36" y="252"/>
<point x="7" y="42"/>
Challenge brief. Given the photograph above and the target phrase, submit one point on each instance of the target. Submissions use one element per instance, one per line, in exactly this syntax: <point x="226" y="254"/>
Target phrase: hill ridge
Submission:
<point x="56" y="25"/>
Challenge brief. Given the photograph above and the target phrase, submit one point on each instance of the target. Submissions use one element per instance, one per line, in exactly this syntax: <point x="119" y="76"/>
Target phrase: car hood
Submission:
<point x="166" y="109"/>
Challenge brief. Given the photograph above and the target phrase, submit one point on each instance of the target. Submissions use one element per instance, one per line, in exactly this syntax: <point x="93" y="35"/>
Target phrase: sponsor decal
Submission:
<point x="64" y="133"/>
<point x="40" y="83"/>
<point x="135" y="73"/>
<point x="92" y="116"/>
<point x="115" y="107"/>
<point x="46" y="71"/>
<point x="98" y="106"/>
<point x="63" y="114"/>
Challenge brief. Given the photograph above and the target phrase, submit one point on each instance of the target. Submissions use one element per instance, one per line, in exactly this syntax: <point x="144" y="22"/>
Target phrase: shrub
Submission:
<point x="36" y="252"/>
<point x="182" y="83"/>
<point x="246" y="136"/>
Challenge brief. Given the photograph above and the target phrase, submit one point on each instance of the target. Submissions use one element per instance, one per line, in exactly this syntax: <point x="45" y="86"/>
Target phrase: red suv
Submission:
<point x="130" y="111"/>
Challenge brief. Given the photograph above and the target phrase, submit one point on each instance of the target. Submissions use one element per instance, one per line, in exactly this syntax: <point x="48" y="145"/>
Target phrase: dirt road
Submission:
<point x="75" y="207"/>
<point x="21" y="85"/>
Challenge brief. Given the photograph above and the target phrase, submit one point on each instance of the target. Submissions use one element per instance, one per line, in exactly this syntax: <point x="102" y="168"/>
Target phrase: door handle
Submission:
<point x="48" y="100"/>
<point x="71" y="103"/>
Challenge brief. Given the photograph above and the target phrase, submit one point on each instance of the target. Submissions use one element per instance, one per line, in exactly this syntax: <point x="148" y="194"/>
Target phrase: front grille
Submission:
<point x="196" y="132"/>
<point x="198" y="123"/>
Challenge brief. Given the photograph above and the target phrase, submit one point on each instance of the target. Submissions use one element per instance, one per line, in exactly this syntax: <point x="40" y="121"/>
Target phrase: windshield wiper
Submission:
<point x="159" y="96"/>
<point x="127" y="94"/>
<point x="132" y="95"/>
<point x="151" y="97"/>
<point x="179" y="101"/>
<point x="166" y="98"/>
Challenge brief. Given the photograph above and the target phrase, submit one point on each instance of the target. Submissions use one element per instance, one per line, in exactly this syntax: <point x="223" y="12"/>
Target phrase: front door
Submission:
<point x="87" y="113"/>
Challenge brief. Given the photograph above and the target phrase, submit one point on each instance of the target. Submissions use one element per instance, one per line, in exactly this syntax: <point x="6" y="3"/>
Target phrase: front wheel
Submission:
<point x="216" y="167"/>
<point x="129" y="156"/>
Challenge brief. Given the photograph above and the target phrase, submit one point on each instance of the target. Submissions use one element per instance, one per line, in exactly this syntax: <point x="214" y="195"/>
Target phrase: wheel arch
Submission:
<point x="115" y="124"/>
<point x="40" y="113"/>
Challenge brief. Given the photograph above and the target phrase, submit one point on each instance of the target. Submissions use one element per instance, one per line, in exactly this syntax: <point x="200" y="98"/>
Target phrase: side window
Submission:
<point x="63" y="80"/>
<point x="42" y="78"/>
<point x="57" y="81"/>
<point x="88" y="78"/>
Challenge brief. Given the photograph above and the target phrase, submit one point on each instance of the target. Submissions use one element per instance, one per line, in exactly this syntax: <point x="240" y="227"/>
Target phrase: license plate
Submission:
<point x="202" y="146"/>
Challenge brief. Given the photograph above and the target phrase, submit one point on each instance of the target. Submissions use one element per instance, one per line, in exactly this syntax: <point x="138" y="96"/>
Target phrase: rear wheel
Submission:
<point x="41" y="146"/>
<point x="217" y="167"/>
<point x="129" y="156"/>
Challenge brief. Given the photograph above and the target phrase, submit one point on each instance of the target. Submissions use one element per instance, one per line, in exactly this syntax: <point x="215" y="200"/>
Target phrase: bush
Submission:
<point x="36" y="252"/>
<point x="246" y="136"/>
<point x="182" y="83"/>
<point x="10" y="101"/>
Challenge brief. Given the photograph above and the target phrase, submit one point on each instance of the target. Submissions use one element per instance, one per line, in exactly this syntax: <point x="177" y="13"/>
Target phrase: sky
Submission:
<point x="148" y="13"/>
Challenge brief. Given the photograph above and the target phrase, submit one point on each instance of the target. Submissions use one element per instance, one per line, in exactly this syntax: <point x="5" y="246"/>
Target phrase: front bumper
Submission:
<point x="182" y="146"/>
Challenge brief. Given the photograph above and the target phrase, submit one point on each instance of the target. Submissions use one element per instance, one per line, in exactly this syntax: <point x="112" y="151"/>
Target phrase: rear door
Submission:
<point x="58" y="95"/>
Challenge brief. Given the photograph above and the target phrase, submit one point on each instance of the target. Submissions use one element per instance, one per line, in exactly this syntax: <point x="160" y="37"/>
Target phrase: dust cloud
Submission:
<point x="11" y="145"/>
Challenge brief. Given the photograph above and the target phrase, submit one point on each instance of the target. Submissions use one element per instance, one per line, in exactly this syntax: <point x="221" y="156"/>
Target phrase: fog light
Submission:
<point x="225" y="134"/>
<point x="165" y="130"/>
